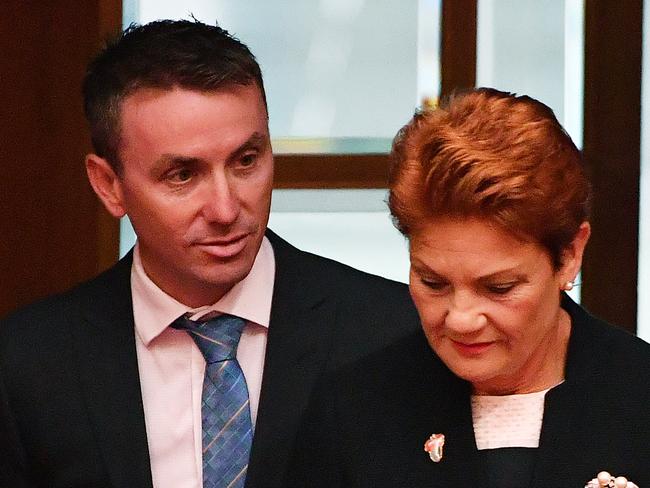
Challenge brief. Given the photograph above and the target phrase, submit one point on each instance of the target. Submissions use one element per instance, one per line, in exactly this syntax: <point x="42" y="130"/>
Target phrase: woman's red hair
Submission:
<point x="495" y="156"/>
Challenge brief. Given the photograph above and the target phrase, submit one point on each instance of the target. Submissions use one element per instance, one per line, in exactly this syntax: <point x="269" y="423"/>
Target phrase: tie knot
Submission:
<point x="217" y="338"/>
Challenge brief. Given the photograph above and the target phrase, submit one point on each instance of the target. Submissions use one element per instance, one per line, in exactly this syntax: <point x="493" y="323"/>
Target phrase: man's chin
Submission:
<point x="219" y="270"/>
<point x="231" y="270"/>
<point x="226" y="280"/>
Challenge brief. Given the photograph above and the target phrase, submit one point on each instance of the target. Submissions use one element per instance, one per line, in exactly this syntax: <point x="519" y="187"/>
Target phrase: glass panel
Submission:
<point x="334" y="69"/>
<point x="535" y="48"/>
<point x="331" y="145"/>
<point x="127" y="236"/>
<point x="350" y="226"/>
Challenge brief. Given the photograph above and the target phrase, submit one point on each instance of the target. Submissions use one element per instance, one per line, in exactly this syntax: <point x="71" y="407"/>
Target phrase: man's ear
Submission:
<point x="106" y="183"/>
<point x="572" y="256"/>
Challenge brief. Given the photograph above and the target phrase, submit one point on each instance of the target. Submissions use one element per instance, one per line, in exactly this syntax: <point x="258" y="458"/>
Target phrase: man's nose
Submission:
<point x="220" y="204"/>
<point x="464" y="315"/>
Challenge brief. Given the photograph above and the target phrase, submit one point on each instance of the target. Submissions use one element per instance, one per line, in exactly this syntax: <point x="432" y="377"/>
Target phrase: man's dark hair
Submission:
<point x="162" y="54"/>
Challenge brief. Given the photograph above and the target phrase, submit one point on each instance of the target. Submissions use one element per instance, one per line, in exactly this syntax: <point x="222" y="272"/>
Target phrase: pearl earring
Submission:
<point x="568" y="286"/>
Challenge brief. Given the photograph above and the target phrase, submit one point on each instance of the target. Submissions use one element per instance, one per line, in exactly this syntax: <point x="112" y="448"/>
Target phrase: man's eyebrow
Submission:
<point x="168" y="160"/>
<point x="255" y="141"/>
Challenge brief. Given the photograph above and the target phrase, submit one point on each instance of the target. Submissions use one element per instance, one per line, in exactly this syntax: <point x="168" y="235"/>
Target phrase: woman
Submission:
<point x="525" y="388"/>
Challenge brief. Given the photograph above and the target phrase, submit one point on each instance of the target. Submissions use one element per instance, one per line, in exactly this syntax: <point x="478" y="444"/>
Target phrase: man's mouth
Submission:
<point x="224" y="247"/>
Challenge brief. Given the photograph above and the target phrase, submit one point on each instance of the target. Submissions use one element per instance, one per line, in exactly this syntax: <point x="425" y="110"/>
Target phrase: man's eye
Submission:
<point x="181" y="175"/>
<point x="248" y="159"/>
<point x="500" y="288"/>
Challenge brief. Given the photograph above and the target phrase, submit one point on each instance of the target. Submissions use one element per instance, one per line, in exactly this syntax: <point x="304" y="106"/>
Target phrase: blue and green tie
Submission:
<point x="225" y="410"/>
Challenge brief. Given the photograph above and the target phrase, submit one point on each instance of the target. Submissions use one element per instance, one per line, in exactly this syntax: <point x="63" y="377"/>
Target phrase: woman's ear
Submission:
<point x="572" y="257"/>
<point x="106" y="183"/>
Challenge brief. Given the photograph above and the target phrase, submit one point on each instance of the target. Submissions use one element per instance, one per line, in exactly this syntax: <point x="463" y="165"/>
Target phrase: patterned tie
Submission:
<point x="225" y="412"/>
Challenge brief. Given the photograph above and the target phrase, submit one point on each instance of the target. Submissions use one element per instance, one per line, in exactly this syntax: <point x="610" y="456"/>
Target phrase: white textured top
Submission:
<point x="508" y="421"/>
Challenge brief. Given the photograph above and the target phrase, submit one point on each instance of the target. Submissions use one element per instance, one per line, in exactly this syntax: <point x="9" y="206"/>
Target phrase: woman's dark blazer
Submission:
<point x="367" y="426"/>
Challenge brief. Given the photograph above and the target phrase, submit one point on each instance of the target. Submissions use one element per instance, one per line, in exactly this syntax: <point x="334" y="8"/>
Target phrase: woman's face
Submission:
<point x="490" y="304"/>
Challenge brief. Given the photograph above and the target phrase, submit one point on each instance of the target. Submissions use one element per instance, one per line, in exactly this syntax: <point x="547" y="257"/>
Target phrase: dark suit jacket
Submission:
<point x="71" y="411"/>
<point x="368" y="424"/>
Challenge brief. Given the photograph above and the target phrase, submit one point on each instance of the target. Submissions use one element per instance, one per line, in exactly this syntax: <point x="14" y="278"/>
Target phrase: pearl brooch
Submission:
<point x="606" y="480"/>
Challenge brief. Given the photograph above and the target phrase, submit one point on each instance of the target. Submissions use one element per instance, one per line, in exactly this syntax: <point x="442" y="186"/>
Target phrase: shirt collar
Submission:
<point x="250" y="299"/>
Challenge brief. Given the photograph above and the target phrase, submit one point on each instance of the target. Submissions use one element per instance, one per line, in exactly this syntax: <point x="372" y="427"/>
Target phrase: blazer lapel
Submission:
<point x="558" y="443"/>
<point x="564" y="440"/>
<point x="460" y="464"/>
<point x="300" y="336"/>
<point x="105" y="345"/>
<point x="427" y="400"/>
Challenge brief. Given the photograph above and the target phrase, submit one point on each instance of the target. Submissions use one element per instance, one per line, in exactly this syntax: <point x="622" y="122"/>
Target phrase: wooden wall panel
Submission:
<point x="458" y="45"/>
<point x="326" y="171"/>
<point x="612" y="141"/>
<point x="53" y="230"/>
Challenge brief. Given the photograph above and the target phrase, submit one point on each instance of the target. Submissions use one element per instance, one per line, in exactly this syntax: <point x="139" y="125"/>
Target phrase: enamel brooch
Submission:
<point x="434" y="445"/>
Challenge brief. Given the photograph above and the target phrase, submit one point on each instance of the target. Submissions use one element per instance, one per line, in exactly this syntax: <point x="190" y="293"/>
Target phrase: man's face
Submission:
<point x="196" y="185"/>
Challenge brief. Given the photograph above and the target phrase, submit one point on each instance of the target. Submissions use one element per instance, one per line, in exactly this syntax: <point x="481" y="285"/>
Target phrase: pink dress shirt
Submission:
<point x="171" y="366"/>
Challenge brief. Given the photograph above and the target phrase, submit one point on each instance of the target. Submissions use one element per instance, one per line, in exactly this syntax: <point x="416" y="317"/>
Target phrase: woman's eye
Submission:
<point x="433" y="284"/>
<point x="501" y="288"/>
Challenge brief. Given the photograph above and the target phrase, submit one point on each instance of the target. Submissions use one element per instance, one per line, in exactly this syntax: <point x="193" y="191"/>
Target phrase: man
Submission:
<point x="107" y="385"/>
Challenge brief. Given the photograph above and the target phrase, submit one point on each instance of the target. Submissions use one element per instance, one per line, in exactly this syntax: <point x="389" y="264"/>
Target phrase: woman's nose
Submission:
<point x="464" y="315"/>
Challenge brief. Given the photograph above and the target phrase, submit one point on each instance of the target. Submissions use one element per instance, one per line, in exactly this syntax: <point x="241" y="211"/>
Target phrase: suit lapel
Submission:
<point x="300" y="336"/>
<point x="105" y="345"/>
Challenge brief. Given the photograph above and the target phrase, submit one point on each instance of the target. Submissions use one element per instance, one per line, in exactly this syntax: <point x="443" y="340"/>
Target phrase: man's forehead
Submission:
<point x="146" y="93"/>
<point x="147" y="98"/>
<point x="175" y="118"/>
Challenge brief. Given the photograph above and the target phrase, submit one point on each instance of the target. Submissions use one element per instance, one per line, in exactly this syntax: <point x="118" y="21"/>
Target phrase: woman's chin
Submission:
<point x="481" y="376"/>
